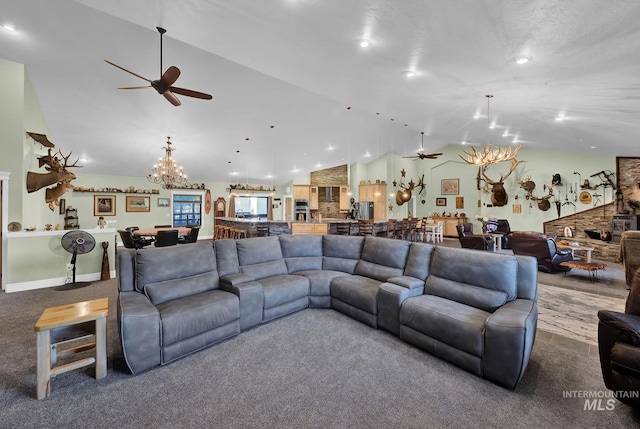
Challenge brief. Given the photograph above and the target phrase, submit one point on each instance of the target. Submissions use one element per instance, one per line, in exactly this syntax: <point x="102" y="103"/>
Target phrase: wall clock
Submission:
<point x="220" y="207"/>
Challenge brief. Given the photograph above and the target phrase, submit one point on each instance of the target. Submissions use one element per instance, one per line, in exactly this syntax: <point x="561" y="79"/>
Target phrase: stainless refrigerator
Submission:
<point x="365" y="210"/>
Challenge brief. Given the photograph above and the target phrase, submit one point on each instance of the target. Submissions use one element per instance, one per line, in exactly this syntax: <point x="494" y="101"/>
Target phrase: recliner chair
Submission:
<point x="619" y="347"/>
<point x="541" y="247"/>
<point x="469" y="240"/>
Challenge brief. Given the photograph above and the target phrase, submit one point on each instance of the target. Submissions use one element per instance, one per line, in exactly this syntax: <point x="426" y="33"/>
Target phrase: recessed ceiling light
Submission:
<point x="410" y="73"/>
<point x="523" y="59"/>
<point x="559" y="118"/>
<point x="364" y="43"/>
<point x="9" y="27"/>
<point x="594" y="147"/>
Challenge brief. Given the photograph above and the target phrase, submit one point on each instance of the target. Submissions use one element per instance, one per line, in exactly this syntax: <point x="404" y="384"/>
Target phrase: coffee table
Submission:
<point x="592" y="267"/>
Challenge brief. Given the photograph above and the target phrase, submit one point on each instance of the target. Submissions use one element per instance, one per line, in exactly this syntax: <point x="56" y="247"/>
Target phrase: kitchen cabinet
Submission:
<point x="344" y="198"/>
<point x="376" y="192"/>
<point x="313" y="198"/>
<point x="301" y="192"/>
<point x="312" y="228"/>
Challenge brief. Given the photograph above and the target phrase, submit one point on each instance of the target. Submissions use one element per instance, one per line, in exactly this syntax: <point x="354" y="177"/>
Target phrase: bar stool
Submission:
<point x="65" y="324"/>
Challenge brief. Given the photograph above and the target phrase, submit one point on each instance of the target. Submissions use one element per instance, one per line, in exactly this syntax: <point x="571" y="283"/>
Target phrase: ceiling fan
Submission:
<point x="421" y="154"/>
<point x="164" y="85"/>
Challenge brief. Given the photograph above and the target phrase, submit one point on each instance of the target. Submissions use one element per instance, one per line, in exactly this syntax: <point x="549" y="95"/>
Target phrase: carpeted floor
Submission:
<point x="312" y="369"/>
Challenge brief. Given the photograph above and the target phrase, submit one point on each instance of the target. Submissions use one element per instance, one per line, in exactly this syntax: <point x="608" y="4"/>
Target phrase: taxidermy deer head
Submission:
<point x="57" y="174"/>
<point x="499" y="196"/>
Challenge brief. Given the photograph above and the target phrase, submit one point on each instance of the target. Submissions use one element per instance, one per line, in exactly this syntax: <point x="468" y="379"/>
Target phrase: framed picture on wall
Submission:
<point x="450" y="186"/>
<point x="104" y="205"/>
<point x="138" y="204"/>
<point x="441" y="201"/>
<point x="163" y="202"/>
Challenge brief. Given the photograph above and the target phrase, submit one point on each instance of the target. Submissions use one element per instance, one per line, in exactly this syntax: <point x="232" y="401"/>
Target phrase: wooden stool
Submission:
<point x="66" y="323"/>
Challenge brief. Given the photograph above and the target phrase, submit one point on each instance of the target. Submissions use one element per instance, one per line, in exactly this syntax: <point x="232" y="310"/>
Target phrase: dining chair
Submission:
<point x="402" y="229"/>
<point x="413" y="224"/>
<point x="139" y="240"/>
<point x="343" y="228"/>
<point x="391" y="228"/>
<point x="365" y="226"/>
<point x="438" y="235"/>
<point x="127" y="239"/>
<point x="167" y="237"/>
<point x="192" y="237"/>
<point x="262" y="229"/>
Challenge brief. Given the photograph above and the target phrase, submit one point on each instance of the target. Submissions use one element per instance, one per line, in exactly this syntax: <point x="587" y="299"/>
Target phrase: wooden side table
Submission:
<point x="68" y="323"/>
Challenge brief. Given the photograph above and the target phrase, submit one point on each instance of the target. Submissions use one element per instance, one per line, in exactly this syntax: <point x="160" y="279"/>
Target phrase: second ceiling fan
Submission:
<point x="421" y="154"/>
<point x="164" y="85"/>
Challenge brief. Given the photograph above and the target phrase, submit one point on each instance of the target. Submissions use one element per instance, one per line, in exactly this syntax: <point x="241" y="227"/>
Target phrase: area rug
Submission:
<point x="573" y="314"/>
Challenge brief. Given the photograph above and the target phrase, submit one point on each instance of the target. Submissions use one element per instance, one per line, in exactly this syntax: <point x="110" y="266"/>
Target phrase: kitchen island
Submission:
<point x="278" y="227"/>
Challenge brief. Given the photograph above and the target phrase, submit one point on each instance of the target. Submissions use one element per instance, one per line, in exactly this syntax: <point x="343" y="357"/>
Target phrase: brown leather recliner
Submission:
<point x="541" y="247"/>
<point x="619" y="347"/>
<point x="469" y="240"/>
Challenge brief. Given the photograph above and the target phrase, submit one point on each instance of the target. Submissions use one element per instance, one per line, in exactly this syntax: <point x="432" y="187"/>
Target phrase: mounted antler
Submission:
<point x="543" y="202"/>
<point x="499" y="196"/>
<point x="490" y="154"/>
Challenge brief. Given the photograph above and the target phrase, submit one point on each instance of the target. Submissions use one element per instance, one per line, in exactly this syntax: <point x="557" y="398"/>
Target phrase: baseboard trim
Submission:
<point x="58" y="281"/>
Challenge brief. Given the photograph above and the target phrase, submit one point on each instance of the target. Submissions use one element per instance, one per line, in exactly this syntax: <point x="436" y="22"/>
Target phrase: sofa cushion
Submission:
<point x="419" y="260"/>
<point x="464" y="293"/>
<point x="165" y="273"/>
<point x="357" y="291"/>
<point x="450" y="322"/>
<point x="226" y="257"/>
<point x="320" y="280"/>
<point x="382" y="258"/>
<point x="341" y="252"/>
<point x="261" y="257"/>
<point x="280" y="290"/>
<point x="492" y="271"/>
<point x="302" y="252"/>
<point x="192" y="315"/>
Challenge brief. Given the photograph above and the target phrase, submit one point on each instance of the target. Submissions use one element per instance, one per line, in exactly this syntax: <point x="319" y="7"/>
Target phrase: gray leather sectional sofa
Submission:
<point x="475" y="309"/>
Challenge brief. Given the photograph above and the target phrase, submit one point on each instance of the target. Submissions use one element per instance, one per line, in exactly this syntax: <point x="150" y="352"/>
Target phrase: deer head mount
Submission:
<point x="543" y="202"/>
<point x="499" y="196"/>
<point x="57" y="174"/>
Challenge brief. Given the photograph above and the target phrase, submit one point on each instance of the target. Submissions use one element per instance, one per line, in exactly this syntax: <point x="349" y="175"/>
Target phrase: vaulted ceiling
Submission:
<point x="294" y="90"/>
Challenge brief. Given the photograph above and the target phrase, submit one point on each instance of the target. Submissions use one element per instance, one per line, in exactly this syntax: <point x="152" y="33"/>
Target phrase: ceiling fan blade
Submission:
<point x="172" y="98"/>
<point x="128" y="71"/>
<point x="170" y="76"/>
<point x="136" y="87"/>
<point x="191" y="93"/>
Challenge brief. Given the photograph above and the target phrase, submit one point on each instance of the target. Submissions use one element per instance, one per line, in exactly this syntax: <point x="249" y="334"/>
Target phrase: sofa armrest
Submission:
<point x="390" y="299"/>
<point x="509" y="336"/>
<point x="139" y="326"/>
<point x="627" y="326"/>
<point x="251" y="303"/>
<point x="226" y="282"/>
<point x="126" y="270"/>
<point x="409" y="282"/>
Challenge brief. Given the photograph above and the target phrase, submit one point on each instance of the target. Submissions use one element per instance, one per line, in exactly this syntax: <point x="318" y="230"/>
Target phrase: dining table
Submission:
<point x="153" y="232"/>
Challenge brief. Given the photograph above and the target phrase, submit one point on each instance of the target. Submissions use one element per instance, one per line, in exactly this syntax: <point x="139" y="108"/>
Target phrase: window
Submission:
<point x="187" y="210"/>
<point x="252" y="207"/>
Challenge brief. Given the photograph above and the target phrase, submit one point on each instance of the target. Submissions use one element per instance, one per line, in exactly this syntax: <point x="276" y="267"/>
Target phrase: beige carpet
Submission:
<point x="572" y="313"/>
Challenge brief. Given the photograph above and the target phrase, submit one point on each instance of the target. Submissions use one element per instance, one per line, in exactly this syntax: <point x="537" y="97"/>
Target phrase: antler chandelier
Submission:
<point x="167" y="171"/>
<point x="489" y="154"/>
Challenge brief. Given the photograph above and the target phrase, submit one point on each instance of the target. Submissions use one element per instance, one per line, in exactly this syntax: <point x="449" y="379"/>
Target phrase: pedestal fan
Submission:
<point x="76" y="242"/>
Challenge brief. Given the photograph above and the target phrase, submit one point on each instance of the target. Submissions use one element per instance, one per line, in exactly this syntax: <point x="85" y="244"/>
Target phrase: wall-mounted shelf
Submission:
<point x="117" y="191"/>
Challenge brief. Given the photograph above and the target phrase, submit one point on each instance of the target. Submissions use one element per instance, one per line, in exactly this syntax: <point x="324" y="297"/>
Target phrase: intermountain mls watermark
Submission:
<point x="600" y="400"/>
